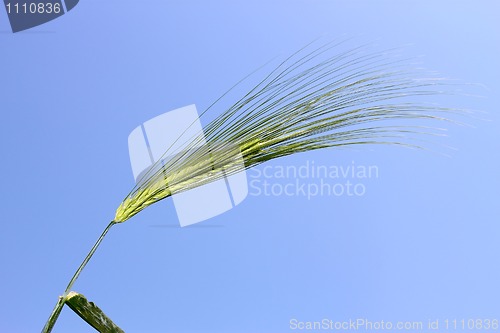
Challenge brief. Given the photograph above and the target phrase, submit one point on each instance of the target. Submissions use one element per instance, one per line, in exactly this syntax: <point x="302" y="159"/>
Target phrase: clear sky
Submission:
<point x="422" y="242"/>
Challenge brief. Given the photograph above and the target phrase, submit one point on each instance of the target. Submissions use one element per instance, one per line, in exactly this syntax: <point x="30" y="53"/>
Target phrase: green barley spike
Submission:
<point x="310" y="101"/>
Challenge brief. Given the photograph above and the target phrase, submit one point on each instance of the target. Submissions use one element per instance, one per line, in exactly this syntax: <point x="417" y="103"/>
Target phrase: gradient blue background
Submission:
<point x="423" y="243"/>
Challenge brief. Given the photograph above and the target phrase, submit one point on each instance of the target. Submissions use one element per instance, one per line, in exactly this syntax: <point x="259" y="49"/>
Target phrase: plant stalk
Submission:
<point x="62" y="299"/>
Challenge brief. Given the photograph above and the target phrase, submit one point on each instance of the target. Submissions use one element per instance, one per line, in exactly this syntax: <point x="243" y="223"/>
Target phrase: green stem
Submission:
<point x="62" y="299"/>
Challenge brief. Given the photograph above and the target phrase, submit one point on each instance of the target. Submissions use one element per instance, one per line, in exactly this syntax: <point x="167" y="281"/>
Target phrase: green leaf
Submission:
<point x="91" y="313"/>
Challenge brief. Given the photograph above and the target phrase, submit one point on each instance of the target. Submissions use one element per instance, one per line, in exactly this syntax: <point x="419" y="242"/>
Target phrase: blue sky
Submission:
<point x="421" y="244"/>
